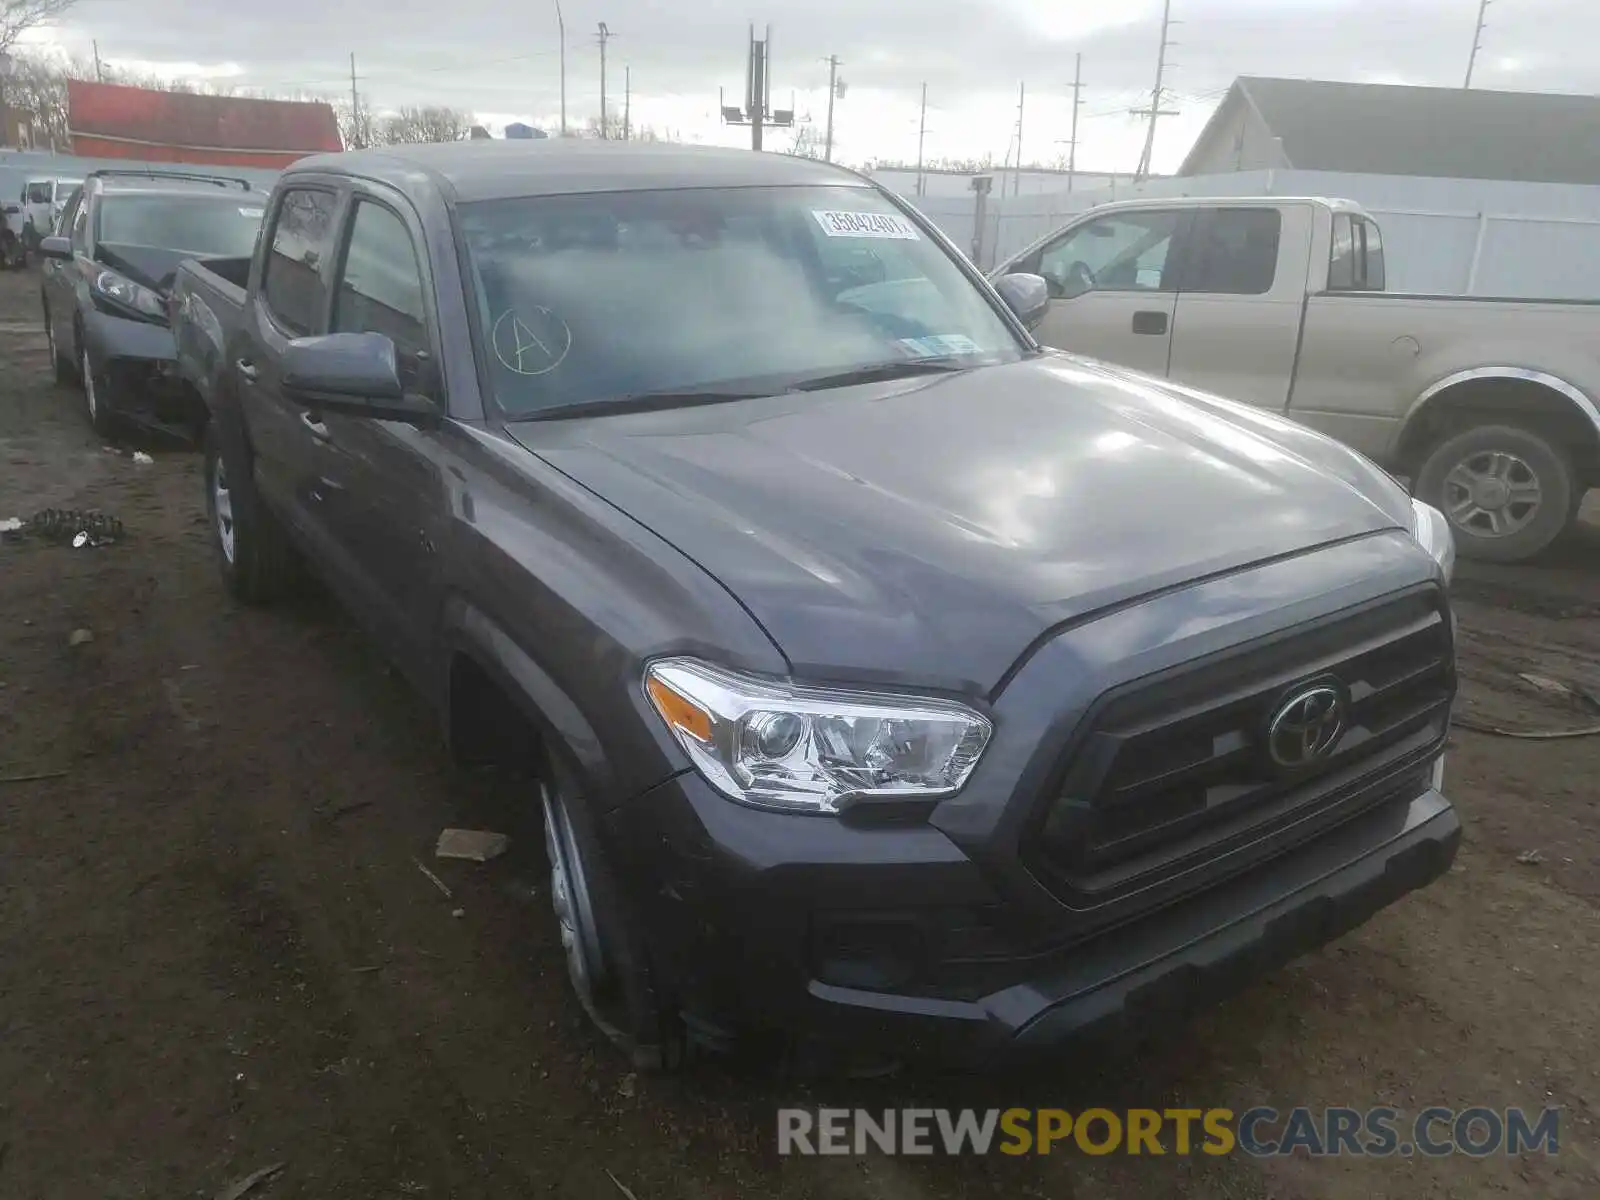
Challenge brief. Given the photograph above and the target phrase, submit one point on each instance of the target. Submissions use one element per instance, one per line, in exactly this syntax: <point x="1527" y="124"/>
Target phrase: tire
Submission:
<point x="258" y="565"/>
<point x="1507" y="491"/>
<point x="60" y="364"/>
<point x="96" y="395"/>
<point x="607" y="960"/>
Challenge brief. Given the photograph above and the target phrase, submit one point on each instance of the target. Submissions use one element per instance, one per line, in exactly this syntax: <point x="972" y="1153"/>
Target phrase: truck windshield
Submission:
<point x="587" y="299"/>
<point x="205" y="226"/>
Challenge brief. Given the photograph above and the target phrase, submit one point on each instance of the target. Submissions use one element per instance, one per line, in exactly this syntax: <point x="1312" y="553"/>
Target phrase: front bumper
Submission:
<point x="137" y="364"/>
<point x="743" y="909"/>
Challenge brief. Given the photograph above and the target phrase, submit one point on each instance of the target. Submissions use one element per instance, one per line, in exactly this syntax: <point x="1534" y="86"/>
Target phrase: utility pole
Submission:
<point x="758" y="85"/>
<point x="355" y="107"/>
<point x="1077" y="103"/>
<point x="1477" y="41"/>
<point x="1016" y="180"/>
<point x="561" y="32"/>
<point x="833" y="86"/>
<point x="627" y="103"/>
<point x="99" y="74"/>
<point x="922" y="133"/>
<point x="605" y="36"/>
<point x="757" y="111"/>
<point x="1155" y="110"/>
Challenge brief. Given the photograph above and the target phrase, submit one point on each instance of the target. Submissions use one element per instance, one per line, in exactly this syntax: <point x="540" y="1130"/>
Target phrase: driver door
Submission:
<point x="1113" y="287"/>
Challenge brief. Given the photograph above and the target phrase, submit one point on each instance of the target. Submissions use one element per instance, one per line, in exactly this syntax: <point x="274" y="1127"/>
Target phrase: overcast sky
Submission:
<point x="499" y="59"/>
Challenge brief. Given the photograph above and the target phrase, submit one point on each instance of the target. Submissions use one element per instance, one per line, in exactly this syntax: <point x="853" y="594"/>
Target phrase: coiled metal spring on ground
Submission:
<point x="65" y="524"/>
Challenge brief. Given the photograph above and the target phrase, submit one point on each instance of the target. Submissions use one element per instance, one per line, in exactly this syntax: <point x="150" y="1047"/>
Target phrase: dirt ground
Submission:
<point x="217" y="952"/>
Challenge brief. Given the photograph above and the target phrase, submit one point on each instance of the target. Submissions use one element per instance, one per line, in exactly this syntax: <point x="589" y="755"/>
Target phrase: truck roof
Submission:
<point x="1328" y="202"/>
<point x="493" y="170"/>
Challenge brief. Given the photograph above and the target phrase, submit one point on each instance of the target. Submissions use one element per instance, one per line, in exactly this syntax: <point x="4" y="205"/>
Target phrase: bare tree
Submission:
<point x="19" y="16"/>
<point x="614" y="129"/>
<point x="37" y="94"/>
<point x="430" y="123"/>
<point x="807" y="142"/>
<point x="356" y="127"/>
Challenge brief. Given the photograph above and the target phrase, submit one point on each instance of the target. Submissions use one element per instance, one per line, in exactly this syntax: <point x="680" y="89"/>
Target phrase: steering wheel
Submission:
<point x="1080" y="275"/>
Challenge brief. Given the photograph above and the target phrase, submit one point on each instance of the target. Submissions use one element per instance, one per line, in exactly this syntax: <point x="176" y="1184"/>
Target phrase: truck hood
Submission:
<point x="926" y="532"/>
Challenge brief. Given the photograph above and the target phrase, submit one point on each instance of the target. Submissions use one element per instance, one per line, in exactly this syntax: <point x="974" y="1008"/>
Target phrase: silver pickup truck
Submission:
<point x="1487" y="406"/>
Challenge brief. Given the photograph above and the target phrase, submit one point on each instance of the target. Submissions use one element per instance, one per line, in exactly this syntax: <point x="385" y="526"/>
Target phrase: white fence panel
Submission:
<point x="1441" y="236"/>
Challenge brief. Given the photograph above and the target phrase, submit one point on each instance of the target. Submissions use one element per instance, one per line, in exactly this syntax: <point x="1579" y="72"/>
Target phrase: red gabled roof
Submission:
<point x="110" y="120"/>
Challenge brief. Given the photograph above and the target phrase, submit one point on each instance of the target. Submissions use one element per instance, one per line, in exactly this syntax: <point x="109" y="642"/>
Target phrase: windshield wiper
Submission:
<point x="878" y="372"/>
<point x="641" y="402"/>
<point x="648" y="401"/>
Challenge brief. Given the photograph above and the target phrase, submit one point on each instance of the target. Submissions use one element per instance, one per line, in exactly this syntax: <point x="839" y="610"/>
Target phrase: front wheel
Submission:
<point x="1507" y="491"/>
<point x="60" y="364"/>
<point x="96" y="394"/>
<point x="607" y="962"/>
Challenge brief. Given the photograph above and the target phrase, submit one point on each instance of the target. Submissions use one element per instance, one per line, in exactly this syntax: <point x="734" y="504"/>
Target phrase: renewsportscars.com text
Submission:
<point x="1259" y="1132"/>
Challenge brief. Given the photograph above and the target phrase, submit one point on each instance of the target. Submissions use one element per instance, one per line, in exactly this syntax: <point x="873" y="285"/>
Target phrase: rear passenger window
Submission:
<point x="1235" y="252"/>
<point x="1372" y="278"/>
<point x="1342" y="260"/>
<point x="301" y="234"/>
<point x="1356" y="260"/>
<point x="380" y="288"/>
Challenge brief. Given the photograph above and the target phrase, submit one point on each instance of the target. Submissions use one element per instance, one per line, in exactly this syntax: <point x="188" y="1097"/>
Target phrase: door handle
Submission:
<point x="1150" y="322"/>
<point x="313" y="426"/>
<point x="248" y="369"/>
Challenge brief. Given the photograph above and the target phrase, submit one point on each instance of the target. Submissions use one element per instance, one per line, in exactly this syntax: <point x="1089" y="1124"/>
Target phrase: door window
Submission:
<point x="79" y="226"/>
<point x="38" y="193"/>
<point x="1127" y="252"/>
<point x="292" y="285"/>
<point x="1235" y="252"/>
<point x="380" y="289"/>
<point x="69" y="213"/>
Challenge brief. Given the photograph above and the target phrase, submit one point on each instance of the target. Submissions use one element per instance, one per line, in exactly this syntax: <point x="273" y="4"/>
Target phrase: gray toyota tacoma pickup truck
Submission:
<point x="894" y="683"/>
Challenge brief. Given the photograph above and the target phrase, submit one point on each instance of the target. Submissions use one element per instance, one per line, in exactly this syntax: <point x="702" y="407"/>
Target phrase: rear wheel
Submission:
<point x="1508" y="491"/>
<point x="255" y="558"/>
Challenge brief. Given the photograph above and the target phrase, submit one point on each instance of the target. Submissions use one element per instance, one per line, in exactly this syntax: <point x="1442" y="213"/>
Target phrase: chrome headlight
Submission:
<point x="127" y="294"/>
<point x="780" y="745"/>
<point x="1432" y="530"/>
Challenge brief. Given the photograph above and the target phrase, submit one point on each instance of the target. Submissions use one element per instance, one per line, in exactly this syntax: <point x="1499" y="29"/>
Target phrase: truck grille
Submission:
<point x="1173" y="774"/>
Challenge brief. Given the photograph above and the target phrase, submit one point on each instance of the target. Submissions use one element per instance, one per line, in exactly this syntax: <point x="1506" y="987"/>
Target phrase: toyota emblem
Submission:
<point x="1307" y="726"/>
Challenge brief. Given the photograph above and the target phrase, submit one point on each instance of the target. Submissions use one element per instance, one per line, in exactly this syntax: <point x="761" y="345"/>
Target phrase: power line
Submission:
<point x="603" y="37"/>
<point x="355" y="103"/>
<point x="922" y="133"/>
<point x="1155" y="110"/>
<point x="1477" y="41"/>
<point x="833" y="87"/>
<point x="1016" y="179"/>
<point x="1077" y="103"/>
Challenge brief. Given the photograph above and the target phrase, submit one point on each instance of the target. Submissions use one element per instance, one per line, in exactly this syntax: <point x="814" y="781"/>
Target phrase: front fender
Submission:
<point x="540" y="699"/>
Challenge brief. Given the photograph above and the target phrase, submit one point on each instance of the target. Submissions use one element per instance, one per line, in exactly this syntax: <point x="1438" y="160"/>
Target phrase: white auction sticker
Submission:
<point x="253" y="213"/>
<point x="866" y="225"/>
<point x="941" y="345"/>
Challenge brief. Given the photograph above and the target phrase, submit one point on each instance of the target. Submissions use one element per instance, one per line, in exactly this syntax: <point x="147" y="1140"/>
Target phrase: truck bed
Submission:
<point x="208" y="299"/>
<point x="1365" y="357"/>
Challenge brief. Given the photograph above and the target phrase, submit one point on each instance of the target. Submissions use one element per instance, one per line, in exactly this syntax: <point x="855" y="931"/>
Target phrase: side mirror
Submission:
<point x="1026" y="295"/>
<point x="356" y="374"/>
<point x="56" y="247"/>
